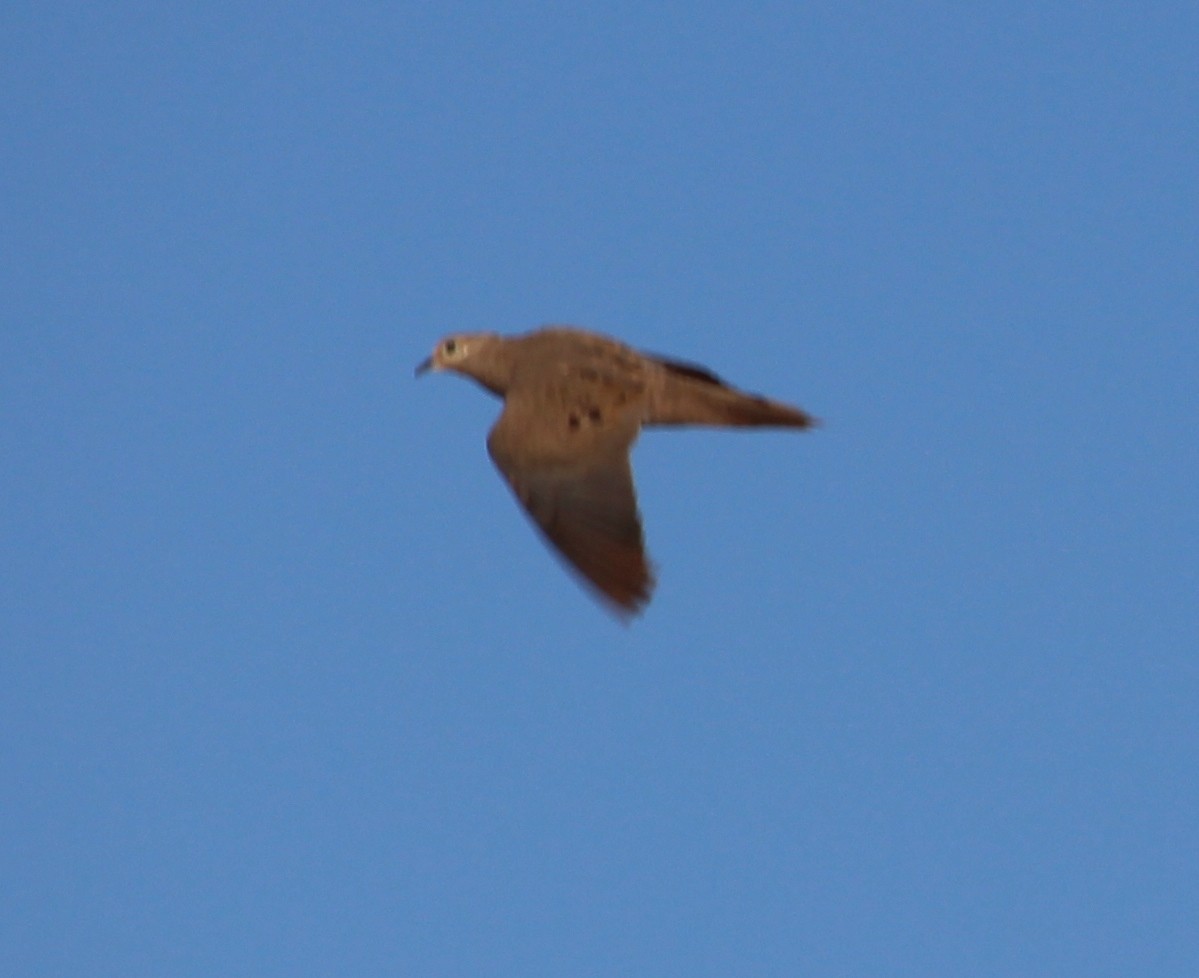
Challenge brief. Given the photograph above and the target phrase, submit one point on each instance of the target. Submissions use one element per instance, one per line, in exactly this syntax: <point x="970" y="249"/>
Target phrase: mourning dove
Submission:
<point x="574" y="402"/>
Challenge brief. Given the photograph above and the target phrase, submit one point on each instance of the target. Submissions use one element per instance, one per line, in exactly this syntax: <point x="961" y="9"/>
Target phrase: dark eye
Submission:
<point x="450" y="346"/>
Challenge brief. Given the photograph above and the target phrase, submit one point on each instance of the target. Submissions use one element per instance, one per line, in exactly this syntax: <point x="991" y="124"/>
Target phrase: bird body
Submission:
<point x="574" y="403"/>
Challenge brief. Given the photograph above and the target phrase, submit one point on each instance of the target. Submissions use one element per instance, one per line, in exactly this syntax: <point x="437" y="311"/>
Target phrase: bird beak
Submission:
<point x="424" y="366"/>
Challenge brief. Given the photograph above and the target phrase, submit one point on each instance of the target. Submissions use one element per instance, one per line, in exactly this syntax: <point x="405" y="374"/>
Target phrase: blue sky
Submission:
<point x="288" y="685"/>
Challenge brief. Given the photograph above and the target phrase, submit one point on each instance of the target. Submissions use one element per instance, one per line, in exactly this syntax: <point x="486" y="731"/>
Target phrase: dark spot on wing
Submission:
<point x="573" y="421"/>
<point x="594" y="414"/>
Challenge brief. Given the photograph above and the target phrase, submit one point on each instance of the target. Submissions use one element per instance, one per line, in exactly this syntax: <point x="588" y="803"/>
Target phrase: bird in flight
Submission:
<point x="574" y="403"/>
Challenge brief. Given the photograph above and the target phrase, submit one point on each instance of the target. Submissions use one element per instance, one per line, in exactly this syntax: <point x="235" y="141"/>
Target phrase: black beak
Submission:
<point x="425" y="365"/>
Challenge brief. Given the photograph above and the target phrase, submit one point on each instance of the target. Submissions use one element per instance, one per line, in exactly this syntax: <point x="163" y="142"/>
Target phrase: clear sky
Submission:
<point x="289" y="687"/>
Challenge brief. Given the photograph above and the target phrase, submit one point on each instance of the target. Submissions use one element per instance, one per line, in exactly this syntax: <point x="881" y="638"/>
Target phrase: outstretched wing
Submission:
<point x="565" y="454"/>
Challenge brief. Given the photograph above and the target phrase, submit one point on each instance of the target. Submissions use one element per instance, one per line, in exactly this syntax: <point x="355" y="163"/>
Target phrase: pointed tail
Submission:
<point x="689" y="395"/>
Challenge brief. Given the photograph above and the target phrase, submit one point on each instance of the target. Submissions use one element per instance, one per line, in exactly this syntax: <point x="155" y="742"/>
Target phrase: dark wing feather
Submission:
<point x="685" y="368"/>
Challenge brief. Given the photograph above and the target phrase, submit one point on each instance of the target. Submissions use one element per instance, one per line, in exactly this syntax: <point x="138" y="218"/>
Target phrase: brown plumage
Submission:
<point x="574" y="403"/>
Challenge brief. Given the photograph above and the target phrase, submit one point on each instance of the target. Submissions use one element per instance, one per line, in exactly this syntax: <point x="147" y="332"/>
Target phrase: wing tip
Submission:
<point x="628" y="595"/>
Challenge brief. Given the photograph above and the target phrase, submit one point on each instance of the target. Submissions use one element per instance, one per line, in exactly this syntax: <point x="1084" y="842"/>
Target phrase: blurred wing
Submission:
<point x="571" y="473"/>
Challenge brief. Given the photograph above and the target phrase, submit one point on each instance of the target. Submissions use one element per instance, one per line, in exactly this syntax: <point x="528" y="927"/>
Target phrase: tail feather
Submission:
<point x="689" y="395"/>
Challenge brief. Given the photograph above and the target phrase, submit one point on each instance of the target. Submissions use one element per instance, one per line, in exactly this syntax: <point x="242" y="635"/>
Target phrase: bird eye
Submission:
<point x="450" y="347"/>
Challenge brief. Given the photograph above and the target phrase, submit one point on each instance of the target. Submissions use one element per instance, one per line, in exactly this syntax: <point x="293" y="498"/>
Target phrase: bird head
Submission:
<point x="449" y="354"/>
<point x="477" y="355"/>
